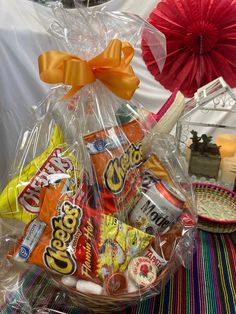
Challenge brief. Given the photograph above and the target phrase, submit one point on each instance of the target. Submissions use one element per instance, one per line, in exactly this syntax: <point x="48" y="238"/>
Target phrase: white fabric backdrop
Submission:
<point x="22" y="39"/>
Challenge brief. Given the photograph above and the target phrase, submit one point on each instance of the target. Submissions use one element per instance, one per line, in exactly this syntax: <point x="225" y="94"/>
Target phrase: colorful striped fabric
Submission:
<point x="208" y="287"/>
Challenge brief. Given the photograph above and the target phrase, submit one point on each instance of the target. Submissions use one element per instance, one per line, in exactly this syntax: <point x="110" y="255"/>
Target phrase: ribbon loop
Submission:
<point x="78" y="72"/>
<point x="112" y="67"/>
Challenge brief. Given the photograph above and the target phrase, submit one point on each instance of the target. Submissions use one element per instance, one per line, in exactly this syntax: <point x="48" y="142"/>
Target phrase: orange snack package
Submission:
<point x="116" y="154"/>
<point x="72" y="239"/>
<point x="154" y="166"/>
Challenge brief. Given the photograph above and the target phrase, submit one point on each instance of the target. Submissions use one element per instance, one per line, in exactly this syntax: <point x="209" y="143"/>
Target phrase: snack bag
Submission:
<point x="116" y="154"/>
<point x="9" y="206"/>
<point x="156" y="168"/>
<point x="73" y="239"/>
<point x="20" y="198"/>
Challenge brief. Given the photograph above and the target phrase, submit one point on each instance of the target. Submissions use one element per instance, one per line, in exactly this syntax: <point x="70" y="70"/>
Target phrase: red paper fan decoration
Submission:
<point x="201" y="43"/>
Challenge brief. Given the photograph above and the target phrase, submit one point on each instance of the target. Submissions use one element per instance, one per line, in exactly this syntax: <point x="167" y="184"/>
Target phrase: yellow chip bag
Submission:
<point x="20" y="198"/>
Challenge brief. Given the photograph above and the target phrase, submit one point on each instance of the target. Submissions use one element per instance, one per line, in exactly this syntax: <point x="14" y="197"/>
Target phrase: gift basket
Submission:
<point x="109" y="216"/>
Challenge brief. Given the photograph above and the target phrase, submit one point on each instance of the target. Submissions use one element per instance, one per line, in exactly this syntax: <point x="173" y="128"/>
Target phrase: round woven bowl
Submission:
<point x="107" y="303"/>
<point x="216" y="208"/>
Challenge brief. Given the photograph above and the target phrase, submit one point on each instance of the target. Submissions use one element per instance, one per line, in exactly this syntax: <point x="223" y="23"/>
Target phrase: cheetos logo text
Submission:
<point x="117" y="168"/>
<point x="57" y="255"/>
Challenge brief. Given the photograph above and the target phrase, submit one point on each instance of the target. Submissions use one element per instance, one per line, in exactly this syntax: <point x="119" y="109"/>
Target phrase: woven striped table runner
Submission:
<point x="209" y="286"/>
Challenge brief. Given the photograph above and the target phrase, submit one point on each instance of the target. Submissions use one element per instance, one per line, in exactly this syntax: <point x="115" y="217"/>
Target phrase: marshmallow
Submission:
<point x="88" y="287"/>
<point x="69" y="281"/>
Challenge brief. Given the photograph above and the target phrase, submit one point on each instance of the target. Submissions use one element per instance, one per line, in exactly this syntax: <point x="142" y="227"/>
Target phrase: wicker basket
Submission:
<point x="107" y="304"/>
<point x="216" y="207"/>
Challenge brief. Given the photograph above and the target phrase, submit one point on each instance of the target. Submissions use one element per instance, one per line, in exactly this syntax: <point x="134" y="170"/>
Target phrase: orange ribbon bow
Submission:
<point x="112" y="67"/>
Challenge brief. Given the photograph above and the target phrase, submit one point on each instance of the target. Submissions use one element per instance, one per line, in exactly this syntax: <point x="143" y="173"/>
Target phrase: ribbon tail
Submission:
<point x="71" y="92"/>
<point x="127" y="88"/>
<point x="121" y="83"/>
<point x="128" y="52"/>
<point x="124" y="94"/>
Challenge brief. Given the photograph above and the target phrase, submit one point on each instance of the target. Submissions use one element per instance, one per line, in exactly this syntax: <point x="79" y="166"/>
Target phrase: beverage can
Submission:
<point x="159" y="207"/>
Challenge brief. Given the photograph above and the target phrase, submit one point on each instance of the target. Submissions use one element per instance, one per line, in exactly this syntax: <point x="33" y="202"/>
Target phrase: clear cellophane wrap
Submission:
<point x="109" y="215"/>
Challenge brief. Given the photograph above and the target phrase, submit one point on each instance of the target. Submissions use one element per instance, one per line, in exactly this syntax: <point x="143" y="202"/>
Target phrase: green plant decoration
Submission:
<point x="203" y="144"/>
